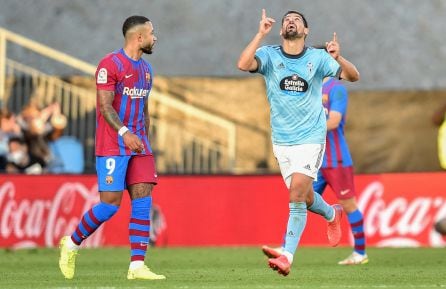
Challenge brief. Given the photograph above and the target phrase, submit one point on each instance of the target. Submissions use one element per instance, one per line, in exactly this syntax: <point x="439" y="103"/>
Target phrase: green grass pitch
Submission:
<point x="220" y="268"/>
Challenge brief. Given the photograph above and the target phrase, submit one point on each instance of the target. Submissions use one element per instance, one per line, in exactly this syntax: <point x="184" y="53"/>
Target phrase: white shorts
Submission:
<point x="305" y="159"/>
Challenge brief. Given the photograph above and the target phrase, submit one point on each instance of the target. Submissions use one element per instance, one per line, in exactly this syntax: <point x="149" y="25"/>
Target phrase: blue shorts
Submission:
<point x="116" y="172"/>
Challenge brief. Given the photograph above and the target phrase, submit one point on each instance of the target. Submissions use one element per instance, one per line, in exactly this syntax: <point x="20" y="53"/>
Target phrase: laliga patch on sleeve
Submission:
<point x="102" y="76"/>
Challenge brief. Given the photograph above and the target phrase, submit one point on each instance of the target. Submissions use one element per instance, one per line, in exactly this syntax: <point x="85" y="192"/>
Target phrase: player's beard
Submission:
<point x="292" y="34"/>
<point x="148" y="49"/>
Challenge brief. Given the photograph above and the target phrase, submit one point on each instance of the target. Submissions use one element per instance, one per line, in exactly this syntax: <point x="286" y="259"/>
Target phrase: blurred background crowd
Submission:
<point x="27" y="140"/>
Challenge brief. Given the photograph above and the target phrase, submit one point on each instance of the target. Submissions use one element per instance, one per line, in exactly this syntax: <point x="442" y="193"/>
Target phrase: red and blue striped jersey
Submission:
<point x="335" y="98"/>
<point x="131" y="82"/>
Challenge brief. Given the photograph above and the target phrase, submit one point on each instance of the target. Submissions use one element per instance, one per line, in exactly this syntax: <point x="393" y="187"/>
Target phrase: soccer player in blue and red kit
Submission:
<point x="124" y="158"/>
<point x="337" y="166"/>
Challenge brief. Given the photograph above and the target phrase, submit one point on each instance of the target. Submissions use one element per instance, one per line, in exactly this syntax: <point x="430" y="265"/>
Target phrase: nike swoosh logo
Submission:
<point x="344" y="192"/>
<point x="127" y="76"/>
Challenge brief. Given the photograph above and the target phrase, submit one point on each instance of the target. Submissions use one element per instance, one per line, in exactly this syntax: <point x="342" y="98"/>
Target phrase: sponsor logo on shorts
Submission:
<point x="344" y="192"/>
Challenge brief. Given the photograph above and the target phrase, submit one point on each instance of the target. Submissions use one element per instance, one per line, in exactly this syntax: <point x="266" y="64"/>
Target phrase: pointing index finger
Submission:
<point x="334" y="37"/>
<point x="263" y="14"/>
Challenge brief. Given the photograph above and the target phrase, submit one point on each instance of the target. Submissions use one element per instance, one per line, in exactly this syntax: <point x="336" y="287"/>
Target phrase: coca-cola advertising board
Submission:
<point x="399" y="210"/>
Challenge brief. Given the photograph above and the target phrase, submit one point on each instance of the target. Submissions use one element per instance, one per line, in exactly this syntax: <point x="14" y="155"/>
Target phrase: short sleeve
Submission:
<point x="338" y="99"/>
<point x="262" y="58"/>
<point x="106" y="78"/>
<point x="329" y="66"/>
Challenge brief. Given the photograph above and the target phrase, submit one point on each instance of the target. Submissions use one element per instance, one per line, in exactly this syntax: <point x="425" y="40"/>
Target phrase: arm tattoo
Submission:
<point x="146" y="116"/>
<point x="105" y="100"/>
<point x="112" y="118"/>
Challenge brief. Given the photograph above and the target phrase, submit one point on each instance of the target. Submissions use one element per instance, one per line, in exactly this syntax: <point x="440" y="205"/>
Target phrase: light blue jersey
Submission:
<point x="294" y="91"/>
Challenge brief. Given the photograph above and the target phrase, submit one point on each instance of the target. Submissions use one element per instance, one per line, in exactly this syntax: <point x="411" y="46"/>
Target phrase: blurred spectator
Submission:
<point x="68" y="156"/>
<point x="158" y="227"/>
<point x="439" y="115"/>
<point x="439" y="120"/>
<point x="40" y="126"/>
<point x="21" y="160"/>
<point x="8" y="128"/>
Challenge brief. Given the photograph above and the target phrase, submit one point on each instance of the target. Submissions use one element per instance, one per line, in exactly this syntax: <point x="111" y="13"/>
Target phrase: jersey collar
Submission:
<point x="132" y="60"/>
<point x="293" y="55"/>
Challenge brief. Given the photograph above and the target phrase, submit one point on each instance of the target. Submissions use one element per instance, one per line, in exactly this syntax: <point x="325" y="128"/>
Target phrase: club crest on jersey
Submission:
<point x="310" y="67"/>
<point x="148" y="77"/>
<point x="109" y="180"/>
<point x="294" y="84"/>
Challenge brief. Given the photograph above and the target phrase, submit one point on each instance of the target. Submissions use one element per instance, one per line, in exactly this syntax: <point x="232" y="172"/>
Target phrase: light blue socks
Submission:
<point x="296" y="225"/>
<point x="321" y="207"/>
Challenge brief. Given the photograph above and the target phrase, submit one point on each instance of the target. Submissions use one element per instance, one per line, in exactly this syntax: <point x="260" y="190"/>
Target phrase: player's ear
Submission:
<point x="139" y="36"/>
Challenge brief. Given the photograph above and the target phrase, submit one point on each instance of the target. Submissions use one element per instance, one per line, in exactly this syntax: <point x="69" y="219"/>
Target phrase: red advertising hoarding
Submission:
<point x="399" y="210"/>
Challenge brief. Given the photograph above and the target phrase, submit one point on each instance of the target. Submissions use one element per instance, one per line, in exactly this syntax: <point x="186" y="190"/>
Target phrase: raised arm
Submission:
<point x="247" y="60"/>
<point x="349" y="71"/>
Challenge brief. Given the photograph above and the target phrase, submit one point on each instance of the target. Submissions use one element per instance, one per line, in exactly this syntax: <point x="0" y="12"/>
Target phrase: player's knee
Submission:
<point x="298" y="195"/>
<point x="112" y="198"/>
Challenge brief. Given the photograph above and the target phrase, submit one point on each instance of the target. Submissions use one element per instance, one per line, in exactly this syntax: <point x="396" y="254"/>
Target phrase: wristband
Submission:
<point x="123" y="130"/>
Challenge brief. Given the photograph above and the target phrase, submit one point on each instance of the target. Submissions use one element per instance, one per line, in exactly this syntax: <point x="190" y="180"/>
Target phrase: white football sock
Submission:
<point x="136" y="264"/>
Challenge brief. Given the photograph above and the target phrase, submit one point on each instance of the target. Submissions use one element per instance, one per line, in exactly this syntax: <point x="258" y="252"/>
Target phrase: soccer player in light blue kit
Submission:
<point x="337" y="170"/>
<point x="293" y="74"/>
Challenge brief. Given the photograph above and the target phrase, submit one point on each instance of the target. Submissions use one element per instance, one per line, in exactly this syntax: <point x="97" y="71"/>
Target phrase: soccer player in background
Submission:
<point x="337" y="169"/>
<point x="293" y="75"/>
<point x="124" y="158"/>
